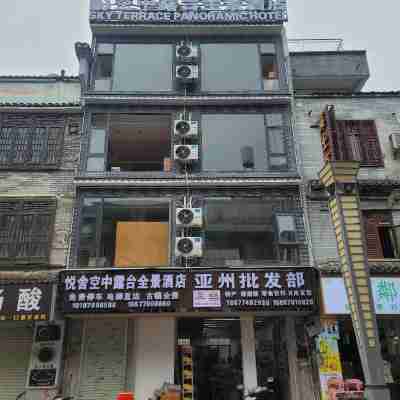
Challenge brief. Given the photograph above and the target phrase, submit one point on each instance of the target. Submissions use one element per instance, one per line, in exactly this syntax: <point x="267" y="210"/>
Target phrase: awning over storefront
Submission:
<point x="386" y="293"/>
<point x="275" y="290"/>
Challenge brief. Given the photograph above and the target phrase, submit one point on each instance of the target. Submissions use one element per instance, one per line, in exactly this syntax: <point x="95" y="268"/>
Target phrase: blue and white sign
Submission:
<point x="189" y="11"/>
<point x="385" y="291"/>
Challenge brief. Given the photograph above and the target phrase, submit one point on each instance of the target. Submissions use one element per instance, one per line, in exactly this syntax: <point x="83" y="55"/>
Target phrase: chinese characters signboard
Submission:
<point x="189" y="11"/>
<point x="386" y="292"/>
<point x="25" y="302"/>
<point x="170" y="290"/>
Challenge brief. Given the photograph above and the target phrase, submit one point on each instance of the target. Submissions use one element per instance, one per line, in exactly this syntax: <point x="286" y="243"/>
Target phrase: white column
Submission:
<point x="154" y="352"/>
<point x="248" y="352"/>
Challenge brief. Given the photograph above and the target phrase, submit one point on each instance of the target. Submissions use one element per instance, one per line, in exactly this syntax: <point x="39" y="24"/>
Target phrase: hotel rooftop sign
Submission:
<point x="189" y="11"/>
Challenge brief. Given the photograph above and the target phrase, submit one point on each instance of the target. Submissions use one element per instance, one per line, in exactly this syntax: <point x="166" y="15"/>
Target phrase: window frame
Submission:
<point x="107" y="138"/>
<point x="281" y="60"/>
<point x="196" y="114"/>
<point x="292" y="246"/>
<point x="49" y="209"/>
<point x="99" y="224"/>
<point x="278" y="63"/>
<point x="268" y="168"/>
<point x="365" y="134"/>
<point x="285" y="138"/>
<point x="108" y="115"/>
<point x="377" y="219"/>
<point x="277" y="245"/>
<point x="95" y="67"/>
<point x="113" y="45"/>
<point x="32" y="124"/>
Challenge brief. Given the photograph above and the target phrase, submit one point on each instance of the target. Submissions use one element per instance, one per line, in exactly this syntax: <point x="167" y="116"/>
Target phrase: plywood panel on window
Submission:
<point x="141" y="244"/>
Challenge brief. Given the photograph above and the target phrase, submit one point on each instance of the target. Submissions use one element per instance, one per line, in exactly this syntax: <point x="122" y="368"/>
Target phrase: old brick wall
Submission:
<point x="57" y="183"/>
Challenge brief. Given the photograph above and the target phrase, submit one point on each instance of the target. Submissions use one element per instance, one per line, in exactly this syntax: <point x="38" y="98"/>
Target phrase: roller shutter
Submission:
<point x="104" y="359"/>
<point x="15" y="351"/>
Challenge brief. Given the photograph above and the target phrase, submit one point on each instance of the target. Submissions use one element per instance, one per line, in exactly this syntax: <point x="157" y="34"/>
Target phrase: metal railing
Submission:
<point x="302" y="45"/>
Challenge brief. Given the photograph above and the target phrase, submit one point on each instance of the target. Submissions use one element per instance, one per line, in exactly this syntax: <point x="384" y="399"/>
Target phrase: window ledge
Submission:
<point x="102" y="180"/>
<point x="377" y="266"/>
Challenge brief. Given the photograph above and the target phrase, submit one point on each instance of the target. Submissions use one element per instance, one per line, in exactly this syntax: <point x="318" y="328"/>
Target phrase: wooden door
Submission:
<point x="142" y="244"/>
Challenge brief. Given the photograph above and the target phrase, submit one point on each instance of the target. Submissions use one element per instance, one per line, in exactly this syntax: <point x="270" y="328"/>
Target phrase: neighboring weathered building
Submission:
<point x="335" y="122"/>
<point x="40" y="121"/>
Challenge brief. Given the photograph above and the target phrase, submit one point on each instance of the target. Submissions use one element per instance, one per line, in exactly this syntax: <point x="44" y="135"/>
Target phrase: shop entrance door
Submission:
<point x="209" y="358"/>
<point x="272" y="356"/>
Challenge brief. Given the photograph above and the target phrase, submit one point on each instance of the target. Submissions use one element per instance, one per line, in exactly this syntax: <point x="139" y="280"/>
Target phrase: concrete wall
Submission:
<point x="39" y="91"/>
<point x="329" y="63"/>
<point x="322" y="234"/>
<point x="378" y="108"/>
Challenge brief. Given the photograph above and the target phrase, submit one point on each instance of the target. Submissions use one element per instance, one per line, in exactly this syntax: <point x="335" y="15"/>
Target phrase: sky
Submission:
<point x="37" y="37"/>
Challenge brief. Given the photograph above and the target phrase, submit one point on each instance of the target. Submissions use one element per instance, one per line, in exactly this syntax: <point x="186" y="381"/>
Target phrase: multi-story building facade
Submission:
<point x="187" y="214"/>
<point x="39" y="153"/>
<point x="335" y="122"/>
<point x="189" y="244"/>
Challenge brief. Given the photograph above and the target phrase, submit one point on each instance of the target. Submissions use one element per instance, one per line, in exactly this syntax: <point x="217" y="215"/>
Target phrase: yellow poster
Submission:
<point x="330" y="367"/>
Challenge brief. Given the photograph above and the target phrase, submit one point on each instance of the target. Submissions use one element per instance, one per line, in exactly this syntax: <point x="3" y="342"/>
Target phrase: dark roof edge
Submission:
<point x="328" y="52"/>
<point x="393" y="93"/>
<point x="377" y="267"/>
<point x="40" y="105"/>
<point x="48" y="275"/>
<point x="30" y="78"/>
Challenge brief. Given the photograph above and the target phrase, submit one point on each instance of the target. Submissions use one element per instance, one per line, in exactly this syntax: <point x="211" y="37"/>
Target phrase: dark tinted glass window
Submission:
<point x="234" y="142"/>
<point x="230" y="67"/>
<point x="142" y="67"/>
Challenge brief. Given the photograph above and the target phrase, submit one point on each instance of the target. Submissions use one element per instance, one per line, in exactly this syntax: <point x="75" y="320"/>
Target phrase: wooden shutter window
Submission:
<point x="372" y="221"/>
<point x="31" y="141"/>
<point x="374" y="247"/>
<point x="26" y="228"/>
<point x="360" y="142"/>
<point x="370" y="143"/>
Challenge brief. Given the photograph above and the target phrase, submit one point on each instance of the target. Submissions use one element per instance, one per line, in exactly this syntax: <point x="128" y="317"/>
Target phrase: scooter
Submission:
<point x="260" y="392"/>
<point x="56" y="397"/>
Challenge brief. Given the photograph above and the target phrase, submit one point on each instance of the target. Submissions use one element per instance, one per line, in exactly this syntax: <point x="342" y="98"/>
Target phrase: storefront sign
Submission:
<point x="386" y="293"/>
<point x="25" y="302"/>
<point x="206" y="298"/>
<point x="189" y="11"/>
<point x="169" y="290"/>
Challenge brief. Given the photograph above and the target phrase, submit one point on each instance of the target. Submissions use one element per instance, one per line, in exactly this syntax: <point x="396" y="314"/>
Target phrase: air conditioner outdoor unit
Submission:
<point x="186" y="153"/>
<point x="189" y="247"/>
<point x="46" y="356"/>
<point x="189" y="217"/>
<point x="395" y="143"/>
<point x="187" y="72"/>
<point x="186" y="50"/>
<point x="186" y="128"/>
